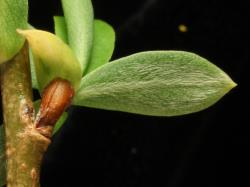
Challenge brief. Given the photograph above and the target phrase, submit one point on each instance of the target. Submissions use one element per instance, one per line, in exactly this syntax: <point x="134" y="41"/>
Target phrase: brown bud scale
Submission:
<point x="56" y="98"/>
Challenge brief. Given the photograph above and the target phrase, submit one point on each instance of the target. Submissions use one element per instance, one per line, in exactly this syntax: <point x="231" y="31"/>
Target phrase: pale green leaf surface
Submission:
<point x="13" y="15"/>
<point x="158" y="83"/>
<point x="52" y="58"/>
<point x="32" y="65"/>
<point x="79" y="20"/>
<point x="2" y="158"/>
<point x="103" y="45"/>
<point x="61" y="28"/>
<point x="59" y="122"/>
<point x="33" y="71"/>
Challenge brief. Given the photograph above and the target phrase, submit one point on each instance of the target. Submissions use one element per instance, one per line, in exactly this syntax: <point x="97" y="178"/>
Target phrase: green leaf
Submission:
<point x="103" y="45"/>
<point x="61" y="28"/>
<point x="52" y="58"/>
<point x="159" y="83"/>
<point x="13" y="15"/>
<point x="33" y="71"/>
<point x="2" y="158"/>
<point x="79" y="20"/>
<point x="32" y="65"/>
<point x="59" y="122"/>
<point x="37" y="105"/>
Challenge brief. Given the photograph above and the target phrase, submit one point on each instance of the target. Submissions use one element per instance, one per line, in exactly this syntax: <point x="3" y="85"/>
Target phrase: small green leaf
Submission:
<point x="2" y="158"/>
<point x="159" y="83"/>
<point x="61" y="28"/>
<point x="79" y="20"/>
<point x="13" y="15"/>
<point x="59" y="122"/>
<point x="32" y="65"/>
<point x="103" y="45"/>
<point x="52" y="58"/>
<point x="37" y="105"/>
<point x="33" y="71"/>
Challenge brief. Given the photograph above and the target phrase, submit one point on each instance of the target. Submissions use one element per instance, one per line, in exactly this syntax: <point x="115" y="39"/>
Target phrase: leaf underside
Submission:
<point x="103" y="45"/>
<point x="158" y="83"/>
<point x="103" y="41"/>
<point x="79" y="23"/>
<point x="61" y="28"/>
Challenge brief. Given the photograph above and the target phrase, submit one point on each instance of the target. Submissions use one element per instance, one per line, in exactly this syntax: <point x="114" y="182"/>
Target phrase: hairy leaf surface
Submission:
<point x="159" y="83"/>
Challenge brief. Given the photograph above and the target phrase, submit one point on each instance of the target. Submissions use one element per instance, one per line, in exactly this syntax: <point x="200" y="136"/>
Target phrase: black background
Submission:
<point x="208" y="148"/>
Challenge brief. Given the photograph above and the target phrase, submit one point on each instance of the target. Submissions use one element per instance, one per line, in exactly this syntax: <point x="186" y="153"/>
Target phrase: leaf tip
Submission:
<point x="233" y="84"/>
<point x="20" y="31"/>
<point x="229" y="86"/>
<point x="23" y="33"/>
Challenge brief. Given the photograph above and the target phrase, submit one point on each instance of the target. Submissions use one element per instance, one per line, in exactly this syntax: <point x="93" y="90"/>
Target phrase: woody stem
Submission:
<point x="25" y="145"/>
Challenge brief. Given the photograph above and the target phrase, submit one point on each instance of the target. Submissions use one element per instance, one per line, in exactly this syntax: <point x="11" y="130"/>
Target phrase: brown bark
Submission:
<point x="25" y="145"/>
